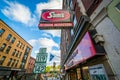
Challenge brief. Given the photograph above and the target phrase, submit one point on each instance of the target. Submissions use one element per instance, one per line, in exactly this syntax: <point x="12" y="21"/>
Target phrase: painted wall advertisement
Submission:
<point x="97" y="72"/>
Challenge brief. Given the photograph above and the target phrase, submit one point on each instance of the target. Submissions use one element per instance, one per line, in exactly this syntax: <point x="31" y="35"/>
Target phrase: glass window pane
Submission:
<point x="8" y="49"/>
<point x="1" y="31"/>
<point x="2" y="60"/>
<point x="3" y="47"/>
<point x="13" y="40"/>
<point x="8" y="37"/>
<point x="118" y="6"/>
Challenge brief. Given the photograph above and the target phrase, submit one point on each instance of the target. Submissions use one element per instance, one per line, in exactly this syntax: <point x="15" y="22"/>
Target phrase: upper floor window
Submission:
<point x="71" y="5"/>
<point x="74" y="20"/>
<point x="2" y="60"/>
<point x="8" y="49"/>
<point x="8" y="37"/>
<point x="9" y="62"/>
<point x="28" y="49"/>
<point x="22" y="65"/>
<point x="13" y="40"/>
<point x="1" y="31"/>
<point x="16" y="63"/>
<point x="118" y="6"/>
<point x="18" y="43"/>
<point x="14" y="52"/>
<point x="17" y="53"/>
<point x="3" y="47"/>
<point x="13" y="62"/>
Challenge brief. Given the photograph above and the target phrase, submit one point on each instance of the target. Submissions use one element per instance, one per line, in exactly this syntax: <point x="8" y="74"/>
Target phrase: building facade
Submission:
<point x="102" y="62"/>
<point x="31" y="63"/>
<point x="14" y="50"/>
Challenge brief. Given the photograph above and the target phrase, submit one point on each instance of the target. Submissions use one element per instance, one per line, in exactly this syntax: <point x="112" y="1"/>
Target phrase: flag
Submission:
<point x="51" y="57"/>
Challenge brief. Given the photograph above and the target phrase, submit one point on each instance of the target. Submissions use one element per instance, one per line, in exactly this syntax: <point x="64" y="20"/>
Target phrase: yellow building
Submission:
<point x="14" y="50"/>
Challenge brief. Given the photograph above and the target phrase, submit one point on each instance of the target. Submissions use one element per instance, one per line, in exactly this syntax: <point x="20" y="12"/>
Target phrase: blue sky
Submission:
<point x="23" y="17"/>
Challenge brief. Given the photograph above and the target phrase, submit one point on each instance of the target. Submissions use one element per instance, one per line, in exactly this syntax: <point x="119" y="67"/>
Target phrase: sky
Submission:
<point x="23" y="17"/>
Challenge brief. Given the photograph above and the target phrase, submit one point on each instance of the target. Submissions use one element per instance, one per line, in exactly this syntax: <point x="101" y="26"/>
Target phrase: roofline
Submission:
<point x="15" y="32"/>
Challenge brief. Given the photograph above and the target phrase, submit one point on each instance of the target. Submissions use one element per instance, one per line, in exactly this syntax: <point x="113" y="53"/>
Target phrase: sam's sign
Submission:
<point x="55" y="19"/>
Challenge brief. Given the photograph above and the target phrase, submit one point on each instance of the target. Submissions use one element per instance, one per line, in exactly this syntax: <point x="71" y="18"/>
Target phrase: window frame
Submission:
<point x="118" y="5"/>
<point x="2" y="32"/>
<point x="2" y="48"/>
<point x="2" y="60"/>
<point x="13" y="40"/>
<point x="8" y="49"/>
<point x="9" y="37"/>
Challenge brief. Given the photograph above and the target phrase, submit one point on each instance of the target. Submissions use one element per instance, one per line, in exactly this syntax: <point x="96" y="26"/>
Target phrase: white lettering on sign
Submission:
<point x="55" y="15"/>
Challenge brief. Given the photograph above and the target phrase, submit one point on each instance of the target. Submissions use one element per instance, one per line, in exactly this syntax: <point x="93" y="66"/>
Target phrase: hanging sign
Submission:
<point x="52" y="19"/>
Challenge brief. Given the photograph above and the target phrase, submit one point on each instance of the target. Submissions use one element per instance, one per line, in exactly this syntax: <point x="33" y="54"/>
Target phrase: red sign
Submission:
<point x="54" y="25"/>
<point x="55" y="15"/>
<point x="52" y="19"/>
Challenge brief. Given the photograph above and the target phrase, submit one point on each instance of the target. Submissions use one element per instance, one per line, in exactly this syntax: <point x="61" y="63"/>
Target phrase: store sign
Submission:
<point x="97" y="72"/>
<point x="52" y="19"/>
<point x="83" y="51"/>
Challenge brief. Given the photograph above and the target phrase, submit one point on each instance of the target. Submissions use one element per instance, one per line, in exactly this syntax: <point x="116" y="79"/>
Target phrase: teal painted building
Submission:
<point x="114" y="12"/>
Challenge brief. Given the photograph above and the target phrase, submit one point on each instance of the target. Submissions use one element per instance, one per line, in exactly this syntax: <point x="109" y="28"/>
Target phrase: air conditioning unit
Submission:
<point x="98" y="38"/>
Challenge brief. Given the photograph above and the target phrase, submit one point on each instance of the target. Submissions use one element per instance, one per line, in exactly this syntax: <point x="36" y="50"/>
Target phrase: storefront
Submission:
<point x="10" y="72"/>
<point x="87" y="62"/>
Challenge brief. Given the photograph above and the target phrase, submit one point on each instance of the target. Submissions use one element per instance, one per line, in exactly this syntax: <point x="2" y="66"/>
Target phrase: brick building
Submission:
<point x="14" y="51"/>
<point x="76" y="62"/>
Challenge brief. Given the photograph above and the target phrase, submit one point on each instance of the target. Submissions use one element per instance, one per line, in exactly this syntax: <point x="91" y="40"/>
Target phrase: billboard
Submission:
<point x="83" y="51"/>
<point x="55" y="19"/>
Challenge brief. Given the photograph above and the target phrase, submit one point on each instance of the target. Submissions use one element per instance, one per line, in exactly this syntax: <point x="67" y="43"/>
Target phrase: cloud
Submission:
<point x="19" y="13"/>
<point x="49" y="44"/>
<point x="32" y="42"/>
<point x="55" y="33"/>
<point x="44" y="42"/>
<point x="46" y="35"/>
<point x="52" y="4"/>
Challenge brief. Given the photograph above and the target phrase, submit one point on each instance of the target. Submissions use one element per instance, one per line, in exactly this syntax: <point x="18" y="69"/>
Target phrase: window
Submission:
<point x="25" y="57"/>
<point x="14" y="52"/>
<point x="3" y="47"/>
<point x="13" y="40"/>
<point x="1" y="31"/>
<point x="17" y="53"/>
<point x="74" y="20"/>
<point x="8" y="49"/>
<point x="13" y="62"/>
<point x="8" y="37"/>
<point x="18" y="43"/>
<point x="16" y="63"/>
<point x="118" y="6"/>
<point x="23" y="46"/>
<point x="22" y="65"/>
<point x="2" y="60"/>
<point x="28" y="49"/>
<point x="71" y="5"/>
<point x="9" y="62"/>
